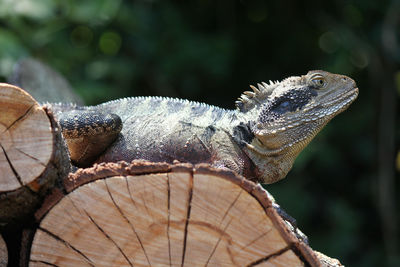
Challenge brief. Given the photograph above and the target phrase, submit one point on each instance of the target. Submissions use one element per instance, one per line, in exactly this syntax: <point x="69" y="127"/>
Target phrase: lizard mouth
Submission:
<point x="330" y="105"/>
<point x="340" y="103"/>
<point x="322" y="111"/>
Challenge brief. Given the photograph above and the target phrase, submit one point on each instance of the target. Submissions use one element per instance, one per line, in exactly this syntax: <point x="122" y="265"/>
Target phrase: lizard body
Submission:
<point x="260" y="139"/>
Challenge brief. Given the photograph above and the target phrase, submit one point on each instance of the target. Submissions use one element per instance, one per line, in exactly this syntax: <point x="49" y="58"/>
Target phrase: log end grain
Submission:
<point x="144" y="214"/>
<point x="33" y="156"/>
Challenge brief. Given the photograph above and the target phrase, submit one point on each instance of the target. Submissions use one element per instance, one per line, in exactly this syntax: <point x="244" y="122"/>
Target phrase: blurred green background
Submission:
<point x="344" y="188"/>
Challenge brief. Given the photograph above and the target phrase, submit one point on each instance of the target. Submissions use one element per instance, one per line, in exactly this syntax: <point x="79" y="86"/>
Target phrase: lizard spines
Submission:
<point x="249" y="99"/>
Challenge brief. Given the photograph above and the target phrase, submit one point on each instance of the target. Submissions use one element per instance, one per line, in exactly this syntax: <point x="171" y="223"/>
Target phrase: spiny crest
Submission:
<point x="251" y="98"/>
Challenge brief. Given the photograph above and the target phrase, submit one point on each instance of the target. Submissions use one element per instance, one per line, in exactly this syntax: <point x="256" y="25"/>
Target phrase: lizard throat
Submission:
<point x="257" y="146"/>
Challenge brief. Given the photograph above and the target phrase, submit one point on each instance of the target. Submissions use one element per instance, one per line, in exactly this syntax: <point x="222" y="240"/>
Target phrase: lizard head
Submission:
<point x="290" y="113"/>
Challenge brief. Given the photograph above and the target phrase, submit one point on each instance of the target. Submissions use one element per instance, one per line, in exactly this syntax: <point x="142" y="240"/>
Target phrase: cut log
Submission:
<point x="119" y="214"/>
<point x="3" y="253"/>
<point x="152" y="214"/>
<point x="32" y="153"/>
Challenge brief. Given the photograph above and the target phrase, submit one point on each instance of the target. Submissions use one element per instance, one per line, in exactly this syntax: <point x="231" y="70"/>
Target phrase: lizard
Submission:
<point x="260" y="139"/>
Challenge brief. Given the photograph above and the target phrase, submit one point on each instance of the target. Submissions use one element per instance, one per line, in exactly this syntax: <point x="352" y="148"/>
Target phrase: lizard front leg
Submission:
<point x="88" y="134"/>
<point x="228" y="155"/>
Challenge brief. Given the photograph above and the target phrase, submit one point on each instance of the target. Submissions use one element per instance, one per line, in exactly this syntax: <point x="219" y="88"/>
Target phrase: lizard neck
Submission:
<point x="272" y="152"/>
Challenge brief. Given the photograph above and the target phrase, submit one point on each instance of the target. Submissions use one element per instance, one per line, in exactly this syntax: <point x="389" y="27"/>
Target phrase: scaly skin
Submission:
<point x="260" y="139"/>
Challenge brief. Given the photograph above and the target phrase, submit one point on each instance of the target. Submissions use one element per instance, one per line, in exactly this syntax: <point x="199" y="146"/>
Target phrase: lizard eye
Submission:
<point x="318" y="81"/>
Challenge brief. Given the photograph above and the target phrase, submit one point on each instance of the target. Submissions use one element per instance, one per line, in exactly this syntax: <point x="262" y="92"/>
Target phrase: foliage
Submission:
<point x="342" y="188"/>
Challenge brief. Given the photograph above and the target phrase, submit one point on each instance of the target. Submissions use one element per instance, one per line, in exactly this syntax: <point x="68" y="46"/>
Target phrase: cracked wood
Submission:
<point x="32" y="154"/>
<point x="25" y="138"/>
<point x="179" y="216"/>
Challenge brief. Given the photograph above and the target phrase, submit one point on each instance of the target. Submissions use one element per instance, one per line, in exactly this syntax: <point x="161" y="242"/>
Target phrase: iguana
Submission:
<point x="260" y="139"/>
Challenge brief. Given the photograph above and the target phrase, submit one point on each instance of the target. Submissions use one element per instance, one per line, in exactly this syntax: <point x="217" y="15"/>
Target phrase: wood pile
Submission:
<point x="129" y="214"/>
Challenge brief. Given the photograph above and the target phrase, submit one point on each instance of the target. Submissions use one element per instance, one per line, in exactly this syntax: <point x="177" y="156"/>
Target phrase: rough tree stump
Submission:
<point x="148" y="214"/>
<point x="32" y="153"/>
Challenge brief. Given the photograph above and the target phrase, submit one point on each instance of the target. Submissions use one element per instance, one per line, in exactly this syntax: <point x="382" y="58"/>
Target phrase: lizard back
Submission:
<point x="260" y="139"/>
